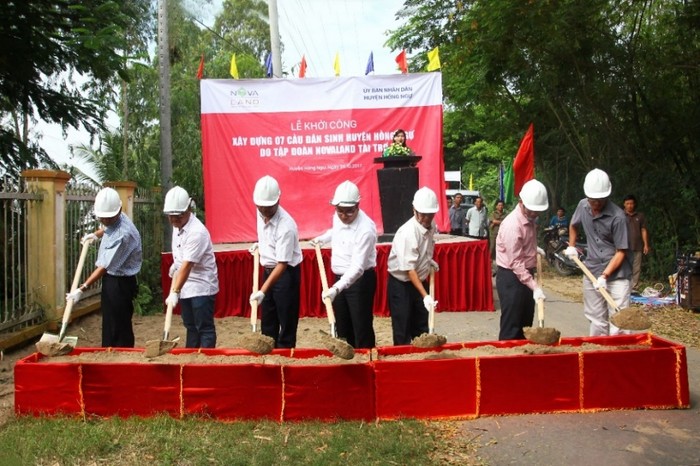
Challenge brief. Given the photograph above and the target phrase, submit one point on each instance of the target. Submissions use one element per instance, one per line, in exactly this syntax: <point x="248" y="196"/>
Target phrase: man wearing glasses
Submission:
<point x="195" y="277"/>
<point x="353" y="239"/>
<point x="605" y="226"/>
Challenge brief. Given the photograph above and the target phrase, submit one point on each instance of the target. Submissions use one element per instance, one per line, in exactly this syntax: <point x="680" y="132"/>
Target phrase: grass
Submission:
<point x="194" y="441"/>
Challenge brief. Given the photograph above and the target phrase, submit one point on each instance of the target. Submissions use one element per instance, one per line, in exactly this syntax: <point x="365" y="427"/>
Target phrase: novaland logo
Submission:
<point x="243" y="97"/>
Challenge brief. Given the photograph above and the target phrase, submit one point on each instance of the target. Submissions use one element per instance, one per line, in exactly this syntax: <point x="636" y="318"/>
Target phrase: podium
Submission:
<point x="398" y="182"/>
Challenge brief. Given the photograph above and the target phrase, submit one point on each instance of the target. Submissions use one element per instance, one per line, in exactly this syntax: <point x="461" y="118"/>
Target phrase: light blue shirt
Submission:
<point x="120" y="248"/>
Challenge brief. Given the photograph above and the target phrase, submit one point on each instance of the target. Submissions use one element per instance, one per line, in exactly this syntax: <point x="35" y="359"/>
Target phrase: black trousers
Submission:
<point x="280" y="308"/>
<point x="409" y="317"/>
<point x="118" y="295"/>
<point x="353" y="311"/>
<point x="517" y="305"/>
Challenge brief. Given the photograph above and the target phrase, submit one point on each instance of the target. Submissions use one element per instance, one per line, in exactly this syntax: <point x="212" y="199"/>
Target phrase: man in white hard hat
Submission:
<point x="607" y="238"/>
<point x="280" y="256"/>
<point x="353" y="239"/>
<point x="409" y="264"/>
<point x="195" y="280"/>
<point x="118" y="261"/>
<point x="516" y="261"/>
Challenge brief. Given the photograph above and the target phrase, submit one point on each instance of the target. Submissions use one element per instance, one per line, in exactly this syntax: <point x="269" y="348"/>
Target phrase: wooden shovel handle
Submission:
<point x="76" y="280"/>
<point x="168" y="321"/>
<point x="324" y="284"/>
<point x="592" y="278"/>
<point x="256" y="287"/>
<point x="540" y="280"/>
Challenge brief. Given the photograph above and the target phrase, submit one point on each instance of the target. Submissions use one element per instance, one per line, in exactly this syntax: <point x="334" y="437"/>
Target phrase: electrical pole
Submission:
<point x="166" y="146"/>
<point x="275" y="39"/>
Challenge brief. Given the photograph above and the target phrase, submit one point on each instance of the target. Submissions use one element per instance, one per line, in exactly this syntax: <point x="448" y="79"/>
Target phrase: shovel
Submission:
<point x="541" y="335"/>
<point x="430" y="339"/>
<point x="338" y="347"/>
<point x="56" y="345"/>
<point x="626" y="319"/>
<point x="254" y="342"/>
<point x="159" y="347"/>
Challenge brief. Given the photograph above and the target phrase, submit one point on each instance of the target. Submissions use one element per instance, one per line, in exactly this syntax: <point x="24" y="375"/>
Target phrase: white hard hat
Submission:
<point x="425" y="201"/>
<point x="107" y="203"/>
<point x="267" y="192"/>
<point x="346" y="195"/>
<point x="597" y="184"/>
<point x="176" y="201"/>
<point x="534" y="196"/>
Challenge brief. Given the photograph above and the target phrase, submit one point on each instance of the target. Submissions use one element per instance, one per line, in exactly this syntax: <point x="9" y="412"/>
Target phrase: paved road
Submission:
<point x="641" y="437"/>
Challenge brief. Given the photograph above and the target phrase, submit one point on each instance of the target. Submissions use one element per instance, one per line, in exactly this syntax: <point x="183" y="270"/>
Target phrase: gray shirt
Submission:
<point x="605" y="234"/>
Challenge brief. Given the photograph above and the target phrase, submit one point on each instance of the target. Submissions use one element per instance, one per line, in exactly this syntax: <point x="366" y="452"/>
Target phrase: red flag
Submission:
<point x="302" y="67"/>
<point x="200" y="70"/>
<point x="401" y="61"/>
<point x="524" y="163"/>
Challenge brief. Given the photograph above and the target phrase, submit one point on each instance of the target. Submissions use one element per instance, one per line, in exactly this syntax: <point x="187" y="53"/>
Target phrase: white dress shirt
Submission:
<point x="278" y="239"/>
<point x="353" y="248"/>
<point x="412" y="249"/>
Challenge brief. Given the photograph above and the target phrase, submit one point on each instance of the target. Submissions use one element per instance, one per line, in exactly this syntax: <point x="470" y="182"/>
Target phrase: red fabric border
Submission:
<point x="328" y="392"/>
<point x="426" y="389"/>
<point x="656" y="377"/>
<point x="46" y="388"/>
<point x="233" y="391"/>
<point x="525" y="384"/>
<point x="131" y="389"/>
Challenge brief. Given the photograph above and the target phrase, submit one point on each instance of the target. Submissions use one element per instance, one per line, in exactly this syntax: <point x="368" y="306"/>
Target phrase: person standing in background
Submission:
<point x="280" y="256"/>
<point x="353" y="239"/>
<point x="409" y="264"/>
<point x="497" y="217"/>
<point x="195" y="276"/>
<point x="605" y="226"/>
<point x="478" y="220"/>
<point x="457" y="215"/>
<point x="638" y="237"/>
<point x="559" y="220"/>
<point x="119" y="259"/>
<point x="516" y="259"/>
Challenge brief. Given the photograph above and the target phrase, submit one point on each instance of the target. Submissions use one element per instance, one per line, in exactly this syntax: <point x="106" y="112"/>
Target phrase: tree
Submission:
<point x="607" y="83"/>
<point x="45" y="45"/>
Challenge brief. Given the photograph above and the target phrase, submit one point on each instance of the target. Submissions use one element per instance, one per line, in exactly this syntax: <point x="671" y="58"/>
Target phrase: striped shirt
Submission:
<point x="192" y="243"/>
<point x="120" y="248"/>
<point x="516" y="246"/>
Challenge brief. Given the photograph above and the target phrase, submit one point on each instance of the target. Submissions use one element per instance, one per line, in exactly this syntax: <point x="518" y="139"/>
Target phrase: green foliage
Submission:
<point x="44" y="45"/>
<point x="611" y="84"/>
<point x="163" y="440"/>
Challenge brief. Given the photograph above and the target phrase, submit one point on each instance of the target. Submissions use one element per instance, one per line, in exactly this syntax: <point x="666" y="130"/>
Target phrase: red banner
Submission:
<point x="311" y="135"/>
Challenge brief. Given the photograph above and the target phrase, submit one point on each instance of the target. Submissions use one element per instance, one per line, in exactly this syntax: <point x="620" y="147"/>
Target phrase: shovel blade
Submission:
<point x="51" y="345"/>
<point x="156" y="348"/>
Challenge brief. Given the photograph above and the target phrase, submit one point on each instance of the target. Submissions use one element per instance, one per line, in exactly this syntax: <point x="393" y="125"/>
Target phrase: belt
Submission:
<point x="532" y="271"/>
<point x="269" y="269"/>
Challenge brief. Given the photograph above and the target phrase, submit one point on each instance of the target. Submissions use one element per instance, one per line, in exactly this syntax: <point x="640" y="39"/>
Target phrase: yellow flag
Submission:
<point x="471" y="182"/>
<point x="234" y="67"/>
<point x="336" y="64"/>
<point x="434" y="60"/>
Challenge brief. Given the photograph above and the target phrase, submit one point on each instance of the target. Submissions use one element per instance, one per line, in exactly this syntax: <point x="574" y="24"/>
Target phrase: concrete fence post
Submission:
<point x="46" y="239"/>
